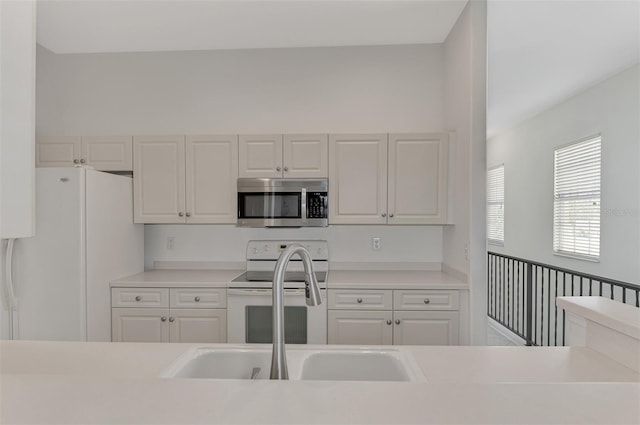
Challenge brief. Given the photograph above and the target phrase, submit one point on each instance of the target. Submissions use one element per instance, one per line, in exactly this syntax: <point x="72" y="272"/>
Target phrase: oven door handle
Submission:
<point x="263" y="292"/>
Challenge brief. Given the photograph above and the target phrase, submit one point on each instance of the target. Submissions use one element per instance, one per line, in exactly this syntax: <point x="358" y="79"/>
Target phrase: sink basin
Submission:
<point x="223" y="364"/>
<point x="304" y="363"/>
<point x="354" y="366"/>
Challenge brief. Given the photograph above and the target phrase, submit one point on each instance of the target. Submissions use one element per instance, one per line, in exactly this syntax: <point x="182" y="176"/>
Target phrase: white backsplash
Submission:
<point x="226" y="243"/>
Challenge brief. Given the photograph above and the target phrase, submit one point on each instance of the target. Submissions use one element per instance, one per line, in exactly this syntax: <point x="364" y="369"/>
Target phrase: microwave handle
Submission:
<point x="303" y="205"/>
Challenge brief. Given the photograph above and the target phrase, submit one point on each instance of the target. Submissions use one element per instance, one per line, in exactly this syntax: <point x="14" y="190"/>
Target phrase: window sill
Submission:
<point x="577" y="256"/>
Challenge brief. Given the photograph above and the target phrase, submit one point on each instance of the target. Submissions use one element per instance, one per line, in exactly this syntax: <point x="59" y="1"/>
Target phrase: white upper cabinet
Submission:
<point x="357" y="178"/>
<point x="58" y="151"/>
<point x="159" y="179"/>
<point x="399" y="181"/>
<point x="291" y="155"/>
<point x="260" y="155"/>
<point x="212" y="171"/>
<point x="108" y="153"/>
<point x="306" y="155"/>
<point x="417" y="190"/>
<point x="104" y="153"/>
<point x="185" y="180"/>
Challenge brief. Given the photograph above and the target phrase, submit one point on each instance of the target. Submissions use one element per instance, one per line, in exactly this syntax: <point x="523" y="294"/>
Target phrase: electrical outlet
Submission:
<point x="171" y="241"/>
<point x="466" y="252"/>
<point x="376" y="244"/>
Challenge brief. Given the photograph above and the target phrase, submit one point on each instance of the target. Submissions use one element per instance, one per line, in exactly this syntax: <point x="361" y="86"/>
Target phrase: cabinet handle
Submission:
<point x="391" y="215"/>
<point x="427" y="300"/>
<point x="163" y="318"/>
<point x="197" y="299"/>
<point x="389" y="322"/>
<point x="180" y="214"/>
<point x="359" y="300"/>
<point x="384" y="214"/>
<point x="171" y="319"/>
<point x="82" y="161"/>
<point x="75" y="161"/>
<point x="278" y="168"/>
<point x="286" y="168"/>
<point x="397" y="321"/>
<point x="188" y="214"/>
<point x="138" y="298"/>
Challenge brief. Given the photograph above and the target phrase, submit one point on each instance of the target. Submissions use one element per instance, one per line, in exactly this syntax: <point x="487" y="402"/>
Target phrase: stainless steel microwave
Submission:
<point x="264" y="202"/>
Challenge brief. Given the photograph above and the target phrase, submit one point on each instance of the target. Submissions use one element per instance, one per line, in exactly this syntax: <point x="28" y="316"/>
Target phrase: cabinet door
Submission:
<point x="358" y="179"/>
<point x="58" y="151"/>
<point x="158" y="179"/>
<point x="360" y="327"/>
<point x="306" y="155"/>
<point x="139" y="325"/>
<point x="198" y="325"/>
<point x="211" y="179"/>
<point x="108" y="153"/>
<point x="417" y="178"/>
<point x="260" y="155"/>
<point x="426" y="328"/>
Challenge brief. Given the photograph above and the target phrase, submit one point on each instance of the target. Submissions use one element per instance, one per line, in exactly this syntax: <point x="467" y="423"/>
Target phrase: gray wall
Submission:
<point x="610" y="108"/>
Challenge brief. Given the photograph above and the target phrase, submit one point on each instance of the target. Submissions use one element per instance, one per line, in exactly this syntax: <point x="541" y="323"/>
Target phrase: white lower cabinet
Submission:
<point x="360" y="327"/>
<point x="149" y="315"/>
<point x="414" y="317"/>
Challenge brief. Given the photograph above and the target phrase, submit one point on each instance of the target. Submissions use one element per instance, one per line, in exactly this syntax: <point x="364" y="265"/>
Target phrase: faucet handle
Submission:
<point x="312" y="291"/>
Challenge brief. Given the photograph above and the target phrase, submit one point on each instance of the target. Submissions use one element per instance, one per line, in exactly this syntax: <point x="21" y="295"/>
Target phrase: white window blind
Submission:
<point x="495" y="205"/>
<point x="576" y="206"/>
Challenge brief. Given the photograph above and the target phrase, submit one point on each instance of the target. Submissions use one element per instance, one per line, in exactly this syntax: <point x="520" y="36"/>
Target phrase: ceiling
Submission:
<point x="141" y="26"/>
<point x="540" y="52"/>
<point x="543" y="52"/>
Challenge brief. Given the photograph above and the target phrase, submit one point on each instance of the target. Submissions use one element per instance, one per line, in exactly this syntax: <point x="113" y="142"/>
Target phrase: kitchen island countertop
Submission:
<point x="74" y="382"/>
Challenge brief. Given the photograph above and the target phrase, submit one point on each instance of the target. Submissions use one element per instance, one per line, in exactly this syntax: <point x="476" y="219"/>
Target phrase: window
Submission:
<point x="576" y="200"/>
<point x="495" y="205"/>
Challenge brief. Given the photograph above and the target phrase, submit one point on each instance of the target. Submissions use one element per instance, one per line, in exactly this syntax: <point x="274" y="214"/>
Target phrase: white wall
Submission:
<point x="610" y="108"/>
<point x="464" y="247"/>
<point x="17" y="117"/>
<point x="418" y="244"/>
<point x="347" y="89"/>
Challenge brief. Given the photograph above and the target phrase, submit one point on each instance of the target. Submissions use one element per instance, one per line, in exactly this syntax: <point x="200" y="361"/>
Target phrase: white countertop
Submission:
<point x="336" y="279"/>
<point x="57" y="382"/>
<point x="392" y="279"/>
<point x="622" y="317"/>
<point x="170" y="278"/>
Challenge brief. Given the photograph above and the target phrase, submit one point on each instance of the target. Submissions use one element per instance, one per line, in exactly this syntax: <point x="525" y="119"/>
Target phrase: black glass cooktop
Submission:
<point x="267" y="276"/>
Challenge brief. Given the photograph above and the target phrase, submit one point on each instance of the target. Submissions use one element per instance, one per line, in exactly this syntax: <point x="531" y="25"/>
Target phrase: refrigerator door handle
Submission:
<point x="11" y="296"/>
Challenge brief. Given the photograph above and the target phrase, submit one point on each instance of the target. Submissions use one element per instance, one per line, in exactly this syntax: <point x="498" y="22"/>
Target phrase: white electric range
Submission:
<point x="249" y="296"/>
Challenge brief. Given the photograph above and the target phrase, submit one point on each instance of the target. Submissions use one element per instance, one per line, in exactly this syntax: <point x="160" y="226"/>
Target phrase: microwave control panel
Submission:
<point x="317" y="205"/>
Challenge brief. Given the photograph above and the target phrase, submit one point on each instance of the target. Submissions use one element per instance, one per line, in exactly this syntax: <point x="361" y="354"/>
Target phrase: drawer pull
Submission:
<point x="427" y="300"/>
<point x="138" y="298"/>
<point x="163" y="318"/>
<point x="389" y="322"/>
<point x="197" y="299"/>
<point x="359" y="300"/>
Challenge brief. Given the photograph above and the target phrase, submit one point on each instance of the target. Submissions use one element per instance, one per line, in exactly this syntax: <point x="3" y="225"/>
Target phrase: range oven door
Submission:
<point x="249" y="317"/>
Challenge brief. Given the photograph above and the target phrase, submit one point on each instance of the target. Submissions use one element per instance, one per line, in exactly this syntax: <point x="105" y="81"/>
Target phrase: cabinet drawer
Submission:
<point x="360" y="299"/>
<point x="139" y="297"/>
<point x="425" y="300"/>
<point x="198" y="298"/>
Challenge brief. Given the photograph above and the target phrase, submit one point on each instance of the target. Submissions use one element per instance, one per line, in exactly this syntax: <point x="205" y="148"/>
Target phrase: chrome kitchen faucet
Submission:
<point x="312" y="294"/>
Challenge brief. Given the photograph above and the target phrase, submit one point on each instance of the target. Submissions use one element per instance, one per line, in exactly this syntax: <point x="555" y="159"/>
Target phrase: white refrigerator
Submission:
<point x="85" y="237"/>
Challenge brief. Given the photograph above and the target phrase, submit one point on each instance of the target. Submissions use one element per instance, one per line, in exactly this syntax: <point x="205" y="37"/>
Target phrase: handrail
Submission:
<point x="521" y="295"/>
<point x="626" y="285"/>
